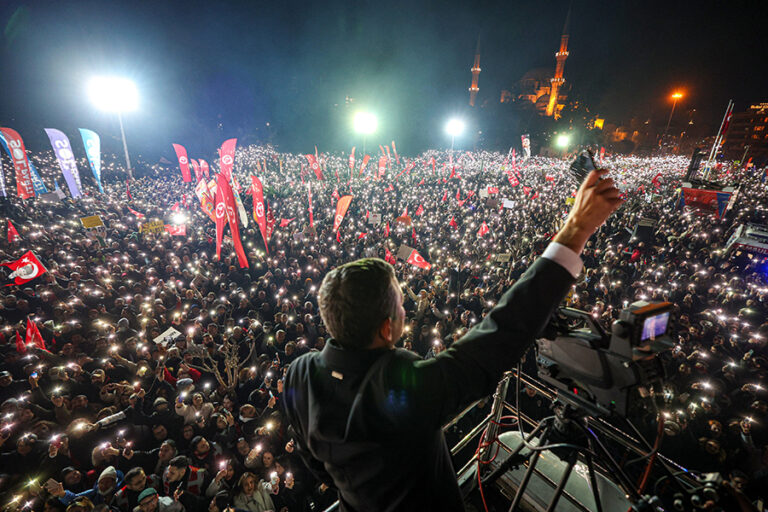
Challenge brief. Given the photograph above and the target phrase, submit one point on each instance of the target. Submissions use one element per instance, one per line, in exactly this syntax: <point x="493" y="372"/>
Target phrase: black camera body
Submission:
<point x="600" y="372"/>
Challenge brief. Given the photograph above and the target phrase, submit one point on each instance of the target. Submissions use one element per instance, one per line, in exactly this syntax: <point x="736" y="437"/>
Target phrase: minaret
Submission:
<point x="558" y="79"/>
<point x="475" y="75"/>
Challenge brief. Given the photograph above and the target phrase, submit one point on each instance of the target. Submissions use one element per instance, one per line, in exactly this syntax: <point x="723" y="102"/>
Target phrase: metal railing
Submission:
<point x="493" y="422"/>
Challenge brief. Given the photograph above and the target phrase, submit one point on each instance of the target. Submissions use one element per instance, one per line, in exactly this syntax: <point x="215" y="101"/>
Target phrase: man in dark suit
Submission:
<point x="367" y="417"/>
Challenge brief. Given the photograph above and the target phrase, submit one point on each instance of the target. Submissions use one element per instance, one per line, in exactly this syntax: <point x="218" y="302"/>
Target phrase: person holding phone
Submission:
<point x="367" y="417"/>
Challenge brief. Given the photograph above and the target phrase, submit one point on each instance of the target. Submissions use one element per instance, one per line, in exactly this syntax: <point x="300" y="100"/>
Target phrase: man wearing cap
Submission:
<point x="103" y="491"/>
<point x="150" y="501"/>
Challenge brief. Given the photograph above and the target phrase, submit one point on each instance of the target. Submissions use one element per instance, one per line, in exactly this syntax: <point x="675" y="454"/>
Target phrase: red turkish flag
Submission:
<point x="286" y="222"/>
<point x="417" y="260"/>
<point x="181" y="154"/>
<point x="137" y="214"/>
<point x="352" y="160"/>
<point x="21" y="348"/>
<point x="483" y="230"/>
<point x="493" y="190"/>
<point x="33" y="336"/>
<point x="13" y="235"/>
<point x="453" y="222"/>
<point x="361" y="236"/>
<point x="259" y="212"/>
<point x="386" y="230"/>
<point x="227" y="154"/>
<point x="204" y="168"/>
<point x="445" y="196"/>
<point x="315" y="166"/>
<point x="526" y="190"/>
<point x="341" y="210"/>
<point x="421" y="182"/>
<point x="25" y="268"/>
<point x="176" y="230"/>
<point x="420" y="210"/>
<point x="335" y="194"/>
<point x="388" y="257"/>
<point x="458" y="194"/>
<point x="390" y="188"/>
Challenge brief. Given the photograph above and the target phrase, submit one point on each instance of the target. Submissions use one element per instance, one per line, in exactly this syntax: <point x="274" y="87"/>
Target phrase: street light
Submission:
<point x="675" y="96"/>
<point x="454" y="128"/>
<point x="114" y="94"/>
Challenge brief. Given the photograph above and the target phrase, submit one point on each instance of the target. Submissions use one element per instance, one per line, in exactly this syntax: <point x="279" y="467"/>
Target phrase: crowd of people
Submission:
<point x="117" y="411"/>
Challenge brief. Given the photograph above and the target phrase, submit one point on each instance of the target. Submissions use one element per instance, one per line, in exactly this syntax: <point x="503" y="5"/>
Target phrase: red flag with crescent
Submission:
<point x="341" y="210"/>
<point x="33" y="336"/>
<point x="382" y="165"/>
<point x="417" y="260"/>
<point x="13" y="235"/>
<point x="483" y="230"/>
<point x="270" y="222"/>
<point x="181" y="154"/>
<point x="366" y="158"/>
<point x="312" y="159"/>
<point x="227" y="154"/>
<point x="24" y="269"/>
<point x="259" y="211"/>
<point x="204" y="168"/>
<point x="225" y="211"/>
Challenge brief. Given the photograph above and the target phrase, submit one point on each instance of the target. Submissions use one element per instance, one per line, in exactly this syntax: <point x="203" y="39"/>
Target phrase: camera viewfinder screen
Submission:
<point x="654" y="326"/>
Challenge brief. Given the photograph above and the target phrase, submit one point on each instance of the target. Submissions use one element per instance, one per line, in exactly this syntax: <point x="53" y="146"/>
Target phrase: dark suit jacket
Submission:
<point x="368" y="422"/>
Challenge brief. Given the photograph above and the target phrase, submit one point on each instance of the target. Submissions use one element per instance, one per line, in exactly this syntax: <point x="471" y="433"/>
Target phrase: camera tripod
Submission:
<point x="566" y="434"/>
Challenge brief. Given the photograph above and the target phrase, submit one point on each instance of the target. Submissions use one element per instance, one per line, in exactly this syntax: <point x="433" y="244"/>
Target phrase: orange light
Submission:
<point x="677" y="96"/>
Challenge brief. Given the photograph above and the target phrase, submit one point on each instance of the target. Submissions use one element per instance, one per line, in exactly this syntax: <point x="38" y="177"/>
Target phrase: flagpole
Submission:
<point x="713" y="151"/>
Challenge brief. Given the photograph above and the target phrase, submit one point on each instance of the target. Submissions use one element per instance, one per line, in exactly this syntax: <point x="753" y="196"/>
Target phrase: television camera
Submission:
<point x="605" y="373"/>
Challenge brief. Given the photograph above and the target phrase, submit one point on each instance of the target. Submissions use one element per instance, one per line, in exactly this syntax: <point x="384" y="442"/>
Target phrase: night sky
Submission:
<point x="208" y="71"/>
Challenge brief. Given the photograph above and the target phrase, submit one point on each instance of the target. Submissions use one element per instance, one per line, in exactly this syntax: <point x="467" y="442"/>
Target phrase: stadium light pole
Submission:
<point x="365" y="124"/>
<point x="114" y="94"/>
<point x="676" y="96"/>
<point x="454" y="128"/>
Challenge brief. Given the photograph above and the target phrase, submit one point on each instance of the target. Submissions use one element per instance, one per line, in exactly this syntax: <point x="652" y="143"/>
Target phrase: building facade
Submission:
<point x="749" y="128"/>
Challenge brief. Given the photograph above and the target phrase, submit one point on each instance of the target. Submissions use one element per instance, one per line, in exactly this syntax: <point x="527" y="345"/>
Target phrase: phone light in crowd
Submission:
<point x="269" y="425"/>
<point x="563" y="140"/>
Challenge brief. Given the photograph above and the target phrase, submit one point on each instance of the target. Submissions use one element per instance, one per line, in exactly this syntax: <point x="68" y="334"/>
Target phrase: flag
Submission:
<point x="417" y="260"/>
<point x="21" y="348"/>
<point x="432" y="161"/>
<point x="388" y="257"/>
<point x="458" y="194"/>
<point x="492" y="190"/>
<point x="66" y="159"/>
<point x="394" y="149"/>
<point x="382" y="166"/>
<point x="137" y="214"/>
<point x="341" y="210"/>
<point x="656" y="182"/>
<point x="413" y="234"/>
<point x="602" y="154"/>
<point x="286" y="222"/>
<point x="204" y="168"/>
<point x="390" y="188"/>
<point x="259" y="212"/>
<point x="312" y="159"/>
<point x="483" y="230"/>
<point x="365" y="162"/>
<point x="361" y="236"/>
<point x="420" y="210"/>
<point x="225" y="210"/>
<point x="238" y="201"/>
<point x="181" y="154"/>
<point x="335" y="194"/>
<point x="445" y="196"/>
<point x="13" y="235"/>
<point x="386" y="230"/>
<point x="25" y="268"/>
<point x="309" y="195"/>
<point x="3" y="192"/>
<point x="453" y="222"/>
<point x="421" y="182"/>
<point x="526" y="190"/>
<point x="92" y="145"/>
<point x="33" y="336"/>
<point x="227" y="158"/>
<point x="176" y="230"/>
<point x="453" y="173"/>
<point x="18" y="154"/>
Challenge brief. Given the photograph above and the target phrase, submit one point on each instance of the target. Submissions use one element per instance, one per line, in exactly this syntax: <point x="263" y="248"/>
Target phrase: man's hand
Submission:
<point x="54" y="488"/>
<point x="594" y="203"/>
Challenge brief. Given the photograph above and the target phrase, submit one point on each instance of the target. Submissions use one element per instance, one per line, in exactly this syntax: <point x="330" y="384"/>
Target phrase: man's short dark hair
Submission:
<point x="180" y="461"/>
<point x="133" y="473"/>
<point x="355" y="298"/>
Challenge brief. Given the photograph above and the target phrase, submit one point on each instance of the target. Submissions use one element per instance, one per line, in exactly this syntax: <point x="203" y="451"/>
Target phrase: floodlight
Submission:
<point x="454" y="127"/>
<point x="365" y="123"/>
<point x="113" y="94"/>
<point x="563" y="140"/>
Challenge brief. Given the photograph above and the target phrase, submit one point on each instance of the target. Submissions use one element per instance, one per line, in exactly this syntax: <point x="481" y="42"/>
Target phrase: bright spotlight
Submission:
<point x="365" y="123"/>
<point x="454" y="127"/>
<point x="178" y="218"/>
<point x="563" y="140"/>
<point x="113" y="94"/>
